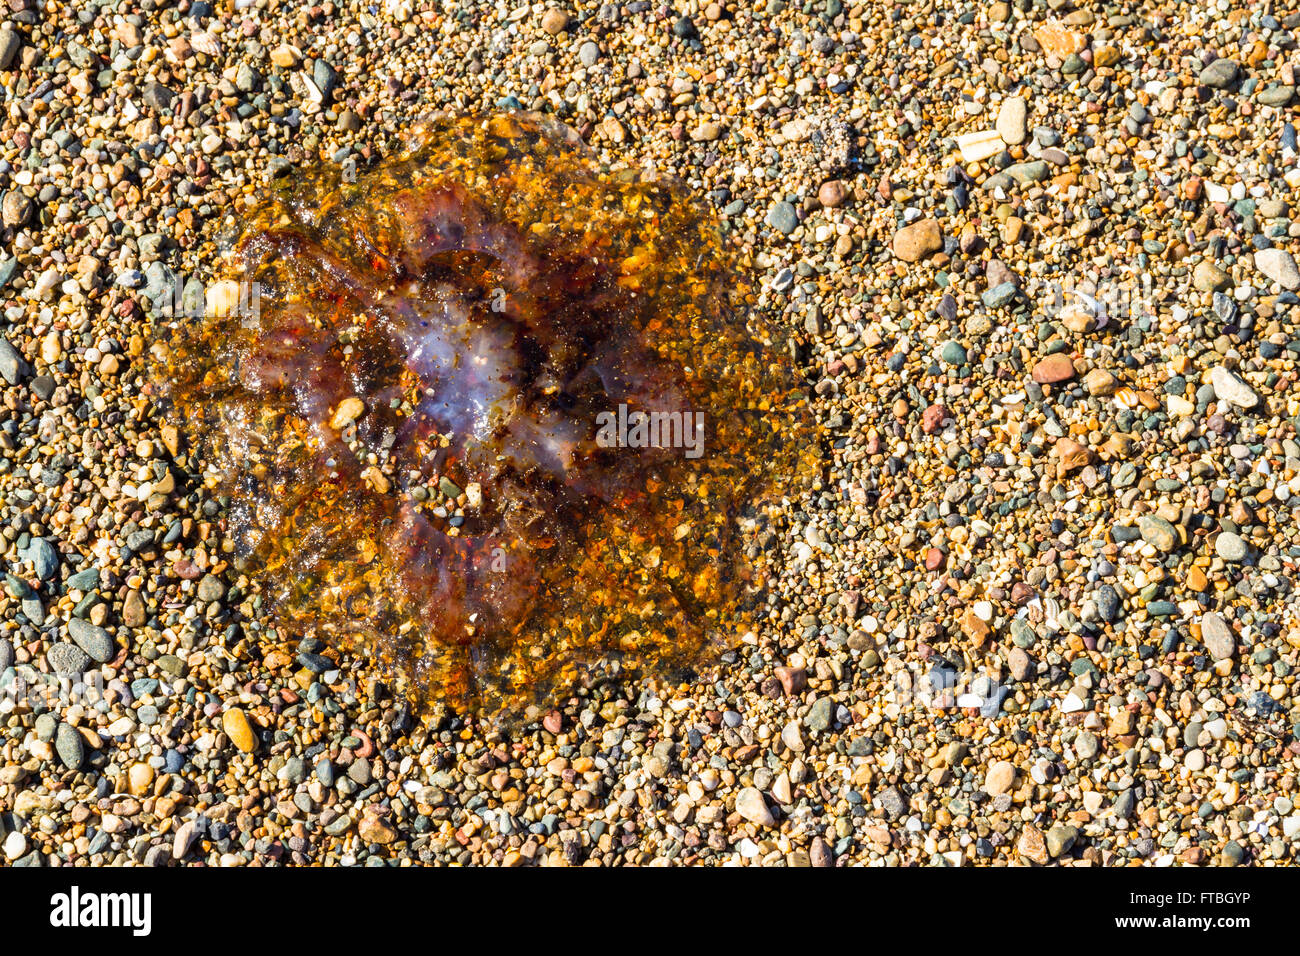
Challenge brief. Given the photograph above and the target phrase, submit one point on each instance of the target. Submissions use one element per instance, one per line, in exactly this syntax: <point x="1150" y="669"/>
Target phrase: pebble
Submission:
<point x="13" y="368"/>
<point x="70" y="747"/>
<point x="94" y="640"/>
<point x="237" y="727"/>
<point x="1013" y="118"/>
<point x="1000" y="778"/>
<point x="1228" y="387"/>
<point x="782" y="218"/>
<point x="1159" y="533"/>
<point x="1278" y="266"/>
<point x="917" y="241"/>
<point x="555" y="21"/>
<point x="1060" y="838"/>
<point x="751" y="805"/>
<point x="65" y="658"/>
<point x="1032" y="846"/>
<point x="1221" y="74"/>
<point x="10" y="42"/>
<point x="1054" y="369"/>
<point x="1218" y="637"/>
<point x="184" y="840"/>
<point x="1231" y="547"/>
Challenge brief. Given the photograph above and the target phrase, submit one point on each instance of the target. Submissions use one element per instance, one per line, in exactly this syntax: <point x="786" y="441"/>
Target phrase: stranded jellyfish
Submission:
<point x="498" y="420"/>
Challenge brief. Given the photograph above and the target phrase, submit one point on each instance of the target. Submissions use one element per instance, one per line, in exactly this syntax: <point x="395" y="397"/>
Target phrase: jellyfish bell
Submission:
<point x="436" y="349"/>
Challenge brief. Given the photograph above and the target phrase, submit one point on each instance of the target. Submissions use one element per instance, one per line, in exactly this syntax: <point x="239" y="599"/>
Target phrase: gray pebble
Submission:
<point x="70" y="746"/>
<point x="91" y="639"/>
<point x="65" y="658"/>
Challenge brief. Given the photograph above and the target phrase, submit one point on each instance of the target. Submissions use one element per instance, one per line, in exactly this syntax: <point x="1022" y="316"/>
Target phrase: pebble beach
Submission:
<point x="1037" y="607"/>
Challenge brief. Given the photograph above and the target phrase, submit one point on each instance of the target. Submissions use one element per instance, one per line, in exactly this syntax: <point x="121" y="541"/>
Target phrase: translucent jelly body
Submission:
<point x="409" y="431"/>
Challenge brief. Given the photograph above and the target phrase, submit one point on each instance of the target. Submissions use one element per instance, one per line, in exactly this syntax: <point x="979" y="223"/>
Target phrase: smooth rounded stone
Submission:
<point x="819" y="715"/>
<point x="589" y="53"/>
<point x="554" y="21"/>
<point x="1000" y="778"/>
<point x="1060" y="839"/>
<point x="46" y="725"/>
<point x="325" y="772"/>
<point x="1108" y="603"/>
<point x="1013" y="120"/>
<point x="1020" y="664"/>
<point x="15" y="209"/>
<point x="15" y="845"/>
<point x="832" y="193"/>
<point x="66" y="658"/>
<point x="1217" y="636"/>
<point x="247" y="79"/>
<point x="952" y="353"/>
<point x="1278" y="266"/>
<point x="1228" y="387"/>
<point x="13" y="367"/>
<point x="1023" y="634"/>
<point x="186" y="836"/>
<point x="6" y="654"/>
<point x="139" y="778"/>
<point x="86" y="580"/>
<point x="1221" y="74"/>
<point x="893" y="803"/>
<point x="783" y="218"/>
<point x="751" y="805"/>
<point x="1031" y="172"/>
<point x="359" y="771"/>
<point x="1276" y="95"/>
<point x="918" y="241"/>
<point x="1053" y="369"/>
<point x="211" y="589"/>
<point x="820" y="854"/>
<point x="373" y="829"/>
<point x="1086" y="745"/>
<point x="1230" y="546"/>
<point x="238" y="728"/>
<point x="70" y="746"/>
<point x="94" y="640"/>
<point x="44" y="557"/>
<point x="1159" y="533"/>
<point x="10" y="42"/>
<point x="684" y="28"/>
<point x="999" y="295"/>
<point x="932" y="420"/>
<point x="1207" y="277"/>
<point x="339" y="825"/>
<point x="295" y="771"/>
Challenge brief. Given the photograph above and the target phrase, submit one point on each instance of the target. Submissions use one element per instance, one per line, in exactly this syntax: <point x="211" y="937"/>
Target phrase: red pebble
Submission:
<point x="932" y="418"/>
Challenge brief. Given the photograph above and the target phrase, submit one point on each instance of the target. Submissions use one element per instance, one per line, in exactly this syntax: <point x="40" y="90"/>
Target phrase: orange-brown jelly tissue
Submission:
<point x="498" y="420"/>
